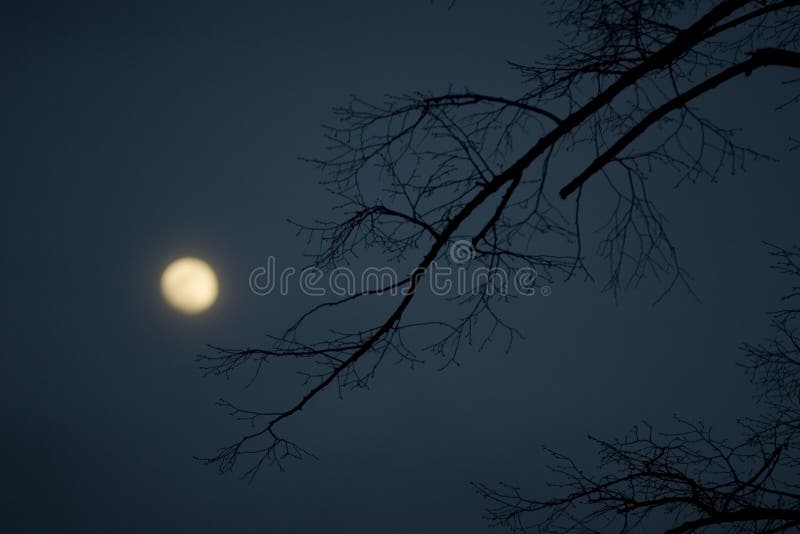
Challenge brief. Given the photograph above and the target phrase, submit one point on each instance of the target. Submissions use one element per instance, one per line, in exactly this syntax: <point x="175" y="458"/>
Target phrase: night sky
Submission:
<point x="134" y="133"/>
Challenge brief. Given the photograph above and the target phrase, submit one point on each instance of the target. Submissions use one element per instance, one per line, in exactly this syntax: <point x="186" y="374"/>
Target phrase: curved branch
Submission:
<point x="760" y="58"/>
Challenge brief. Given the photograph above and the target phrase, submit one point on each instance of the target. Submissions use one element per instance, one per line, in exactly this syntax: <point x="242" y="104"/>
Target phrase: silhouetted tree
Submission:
<point x="689" y="477"/>
<point x="418" y="172"/>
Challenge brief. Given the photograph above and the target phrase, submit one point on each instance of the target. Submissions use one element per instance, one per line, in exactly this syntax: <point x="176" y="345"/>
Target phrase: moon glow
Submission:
<point x="189" y="285"/>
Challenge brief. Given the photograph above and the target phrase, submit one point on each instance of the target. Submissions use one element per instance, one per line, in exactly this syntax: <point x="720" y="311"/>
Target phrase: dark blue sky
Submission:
<point x="135" y="133"/>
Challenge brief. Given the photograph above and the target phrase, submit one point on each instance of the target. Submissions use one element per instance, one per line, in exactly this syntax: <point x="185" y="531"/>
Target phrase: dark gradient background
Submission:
<point x="134" y="133"/>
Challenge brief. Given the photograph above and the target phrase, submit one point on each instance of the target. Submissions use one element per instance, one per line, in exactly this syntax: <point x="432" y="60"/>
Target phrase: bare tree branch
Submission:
<point x="415" y="174"/>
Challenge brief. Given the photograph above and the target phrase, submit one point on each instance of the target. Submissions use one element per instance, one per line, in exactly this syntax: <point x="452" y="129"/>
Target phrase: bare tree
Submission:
<point x="416" y="173"/>
<point x="689" y="478"/>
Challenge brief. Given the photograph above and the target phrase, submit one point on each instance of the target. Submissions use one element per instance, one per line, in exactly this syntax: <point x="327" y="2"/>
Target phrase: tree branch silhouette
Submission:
<point x="689" y="477"/>
<point x="412" y="175"/>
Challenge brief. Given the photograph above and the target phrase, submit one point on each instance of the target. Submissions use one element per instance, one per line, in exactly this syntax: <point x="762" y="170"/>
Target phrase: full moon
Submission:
<point x="189" y="285"/>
